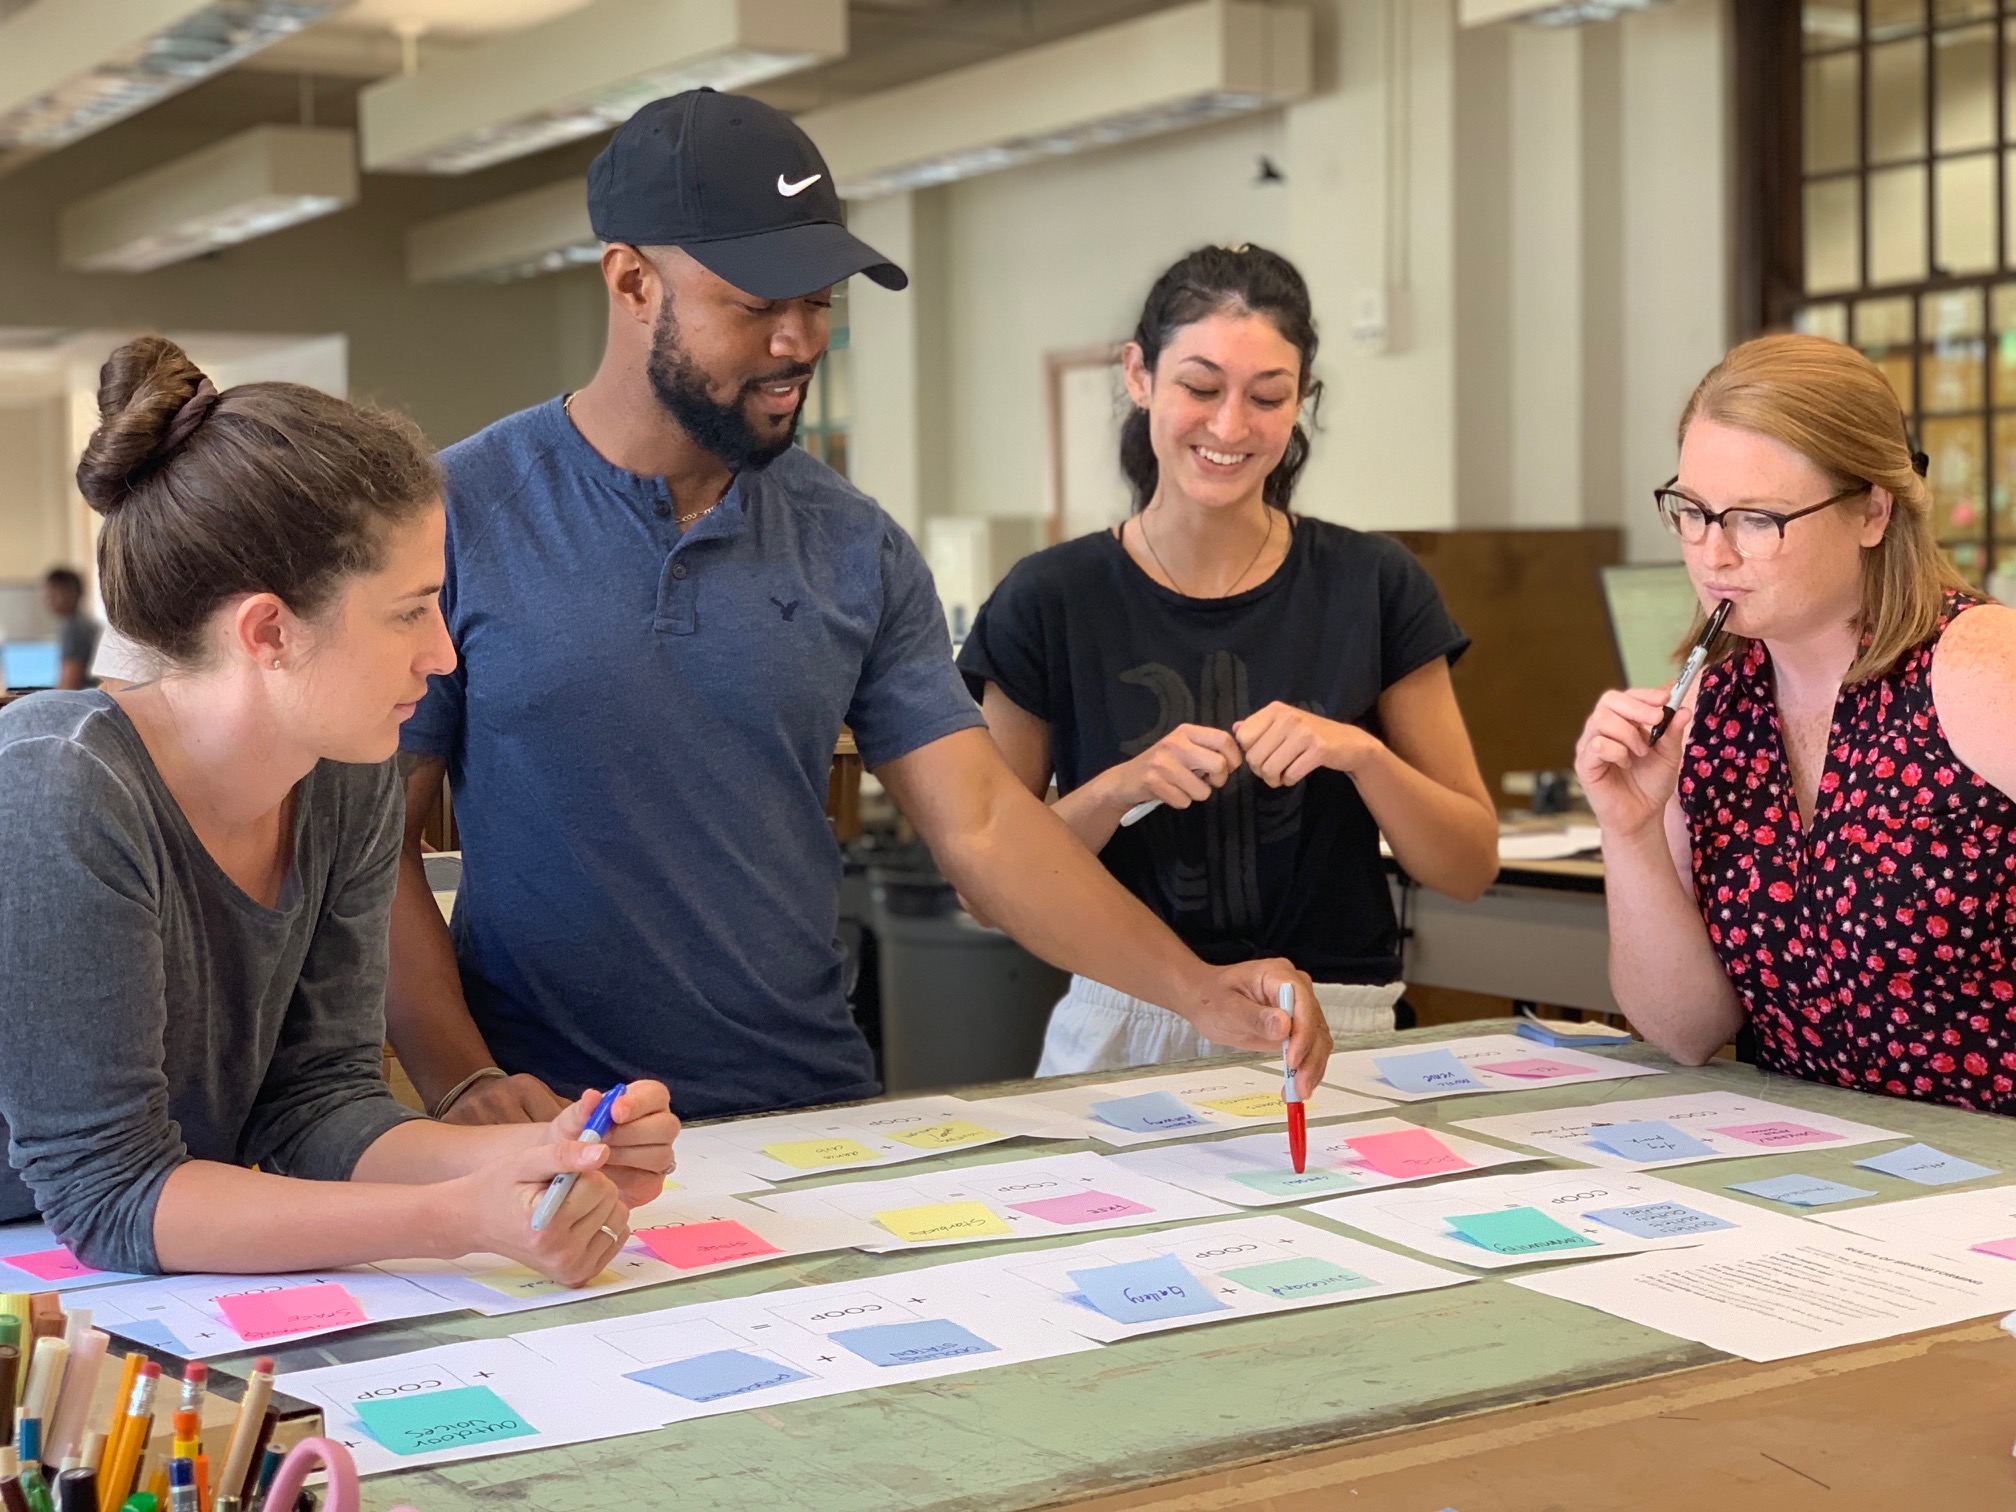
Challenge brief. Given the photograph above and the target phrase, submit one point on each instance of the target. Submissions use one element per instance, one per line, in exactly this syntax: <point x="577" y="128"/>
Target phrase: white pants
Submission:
<point x="1095" y="1028"/>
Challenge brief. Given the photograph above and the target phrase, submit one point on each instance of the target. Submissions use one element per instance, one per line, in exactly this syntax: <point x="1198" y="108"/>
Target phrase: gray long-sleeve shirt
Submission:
<point x="150" y="1011"/>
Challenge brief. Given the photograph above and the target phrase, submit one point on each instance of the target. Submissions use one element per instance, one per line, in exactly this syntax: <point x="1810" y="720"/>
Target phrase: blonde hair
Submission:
<point x="1834" y="407"/>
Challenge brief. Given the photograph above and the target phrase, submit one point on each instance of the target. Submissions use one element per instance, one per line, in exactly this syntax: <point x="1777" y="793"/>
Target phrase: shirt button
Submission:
<point x="678" y="569"/>
<point x="662" y="509"/>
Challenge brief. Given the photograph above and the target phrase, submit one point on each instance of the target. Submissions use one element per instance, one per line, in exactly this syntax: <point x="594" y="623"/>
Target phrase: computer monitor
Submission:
<point x="1650" y="608"/>
<point x="29" y="664"/>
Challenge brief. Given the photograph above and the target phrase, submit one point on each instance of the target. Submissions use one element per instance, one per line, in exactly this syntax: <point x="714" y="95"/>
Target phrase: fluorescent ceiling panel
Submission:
<point x="541" y="231"/>
<point x="585" y="73"/>
<point x="249" y="185"/>
<point x="1175" y="68"/>
<point x="69" y="67"/>
<point x="1549" y="12"/>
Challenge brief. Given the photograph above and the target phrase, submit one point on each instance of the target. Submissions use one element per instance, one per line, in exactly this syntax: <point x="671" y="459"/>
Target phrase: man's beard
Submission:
<point x="722" y="429"/>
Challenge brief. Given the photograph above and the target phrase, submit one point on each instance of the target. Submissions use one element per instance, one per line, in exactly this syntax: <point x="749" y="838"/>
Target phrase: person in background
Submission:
<point x="77" y="640"/>
<point x="1279" y="685"/>
<point x="1823" y="846"/>
<point x="193" y="934"/>
<point x="664" y="613"/>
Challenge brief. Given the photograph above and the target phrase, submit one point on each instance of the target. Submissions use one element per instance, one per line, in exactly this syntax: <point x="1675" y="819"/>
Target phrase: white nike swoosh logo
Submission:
<point x="790" y="191"/>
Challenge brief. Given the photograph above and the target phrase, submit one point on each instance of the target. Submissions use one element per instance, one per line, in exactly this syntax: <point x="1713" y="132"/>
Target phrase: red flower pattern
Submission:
<point x="1891" y="919"/>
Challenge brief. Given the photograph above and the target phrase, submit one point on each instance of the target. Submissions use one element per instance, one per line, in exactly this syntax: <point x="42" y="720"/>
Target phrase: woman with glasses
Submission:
<point x="1821" y="846"/>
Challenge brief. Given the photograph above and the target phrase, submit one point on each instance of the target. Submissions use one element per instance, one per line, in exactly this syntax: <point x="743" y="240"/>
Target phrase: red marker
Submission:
<point x="1298" y="1115"/>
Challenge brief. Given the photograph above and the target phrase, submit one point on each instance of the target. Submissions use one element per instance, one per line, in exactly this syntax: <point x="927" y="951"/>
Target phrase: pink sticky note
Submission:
<point x="1407" y="1153"/>
<point x="1778" y="1136"/>
<point x="2006" y="1248"/>
<point x="293" y="1310"/>
<point x="57" y="1264"/>
<point x="1082" y="1207"/>
<point x="690" y="1246"/>
<point x="1538" y="1068"/>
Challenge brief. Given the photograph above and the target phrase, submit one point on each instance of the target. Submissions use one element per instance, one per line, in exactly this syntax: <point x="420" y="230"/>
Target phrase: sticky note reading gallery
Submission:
<point x="292" y="1310"/>
<point x="451" y="1419"/>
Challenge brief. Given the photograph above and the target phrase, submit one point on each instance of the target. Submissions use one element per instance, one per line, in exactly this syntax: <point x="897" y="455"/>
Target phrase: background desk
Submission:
<point x="1367" y="1405"/>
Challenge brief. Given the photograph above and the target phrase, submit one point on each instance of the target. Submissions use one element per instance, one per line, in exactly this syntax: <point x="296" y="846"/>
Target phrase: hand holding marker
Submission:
<point x="1690" y="671"/>
<point x="558" y="1188"/>
<point x="1142" y="810"/>
<point x="1298" y="1113"/>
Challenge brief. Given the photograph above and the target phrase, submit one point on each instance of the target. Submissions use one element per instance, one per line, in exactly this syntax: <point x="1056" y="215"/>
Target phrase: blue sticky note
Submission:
<point x="451" y="1419"/>
<point x="1650" y="1139"/>
<point x="1659" y="1220"/>
<point x="1145" y="1291"/>
<point x="1518" y="1231"/>
<point x="1801" y="1191"/>
<point x="1150" y="1113"/>
<point x="912" y="1343"/>
<point x="1427" y="1071"/>
<point x="1926" y="1166"/>
<point x="724" y="1373"/>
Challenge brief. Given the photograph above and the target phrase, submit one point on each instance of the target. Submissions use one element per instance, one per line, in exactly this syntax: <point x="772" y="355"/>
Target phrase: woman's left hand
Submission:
<point x="1284" y="744"/>
<point x="639" y="1139"/>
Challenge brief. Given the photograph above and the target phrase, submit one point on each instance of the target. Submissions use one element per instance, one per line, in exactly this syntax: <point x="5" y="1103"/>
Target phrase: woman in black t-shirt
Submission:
<point x="1279" y="684"/>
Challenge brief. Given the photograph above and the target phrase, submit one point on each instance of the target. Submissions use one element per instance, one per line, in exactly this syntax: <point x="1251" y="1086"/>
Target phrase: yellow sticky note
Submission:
<point x="519" y="1283"/>
<point x="945" y="1136"/>
<point x="943" y="1220"/>
<point x="1250" y="1105"/>
<point x="818" y="1154"/>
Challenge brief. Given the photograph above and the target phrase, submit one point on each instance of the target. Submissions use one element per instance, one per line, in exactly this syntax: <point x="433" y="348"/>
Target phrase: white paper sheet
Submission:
<point x="33" y="1259"/>
<point x="1419" y="1219"/>
<point x="791" y="1146"/>
<point x="1766" y="1296"/>
<point x="1067" y="1111"/>
<point x="1254" y="1170"/>
<point x="182" y="1314"/>
<point x="699" y="1175"/>
<point x="1356" y="1071"/>
<point x="1011" y="1199"/>
<point x="1550" y="845"/>
<point x="1565" y="1131"/>
<point x="1950" y="1222"/>
<point x="1234" y="1261"/>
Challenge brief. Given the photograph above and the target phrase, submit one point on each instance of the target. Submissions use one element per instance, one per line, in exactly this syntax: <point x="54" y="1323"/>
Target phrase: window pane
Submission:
<point x="1966" y="188"/>
<point x="1961" y="10"/>
<point x="1883" y="334"/>
<point x="1897" y="101"/>
<point x="1964" y="87"/>
<point x="1897" y="226"/>
<point x="1827" y="320"/>
<point x="2005" y="475"/>
<point x="2002" y="322"/>
<point x="1893" y="18"/>
<point x="1830" y="23"/>
<point x="1833" y="108"/>
<point x="1955" y="352"/>
<point x="1967" y="557"/>
<point x="1956" y="476"/>
<point x="1834" y="235"/>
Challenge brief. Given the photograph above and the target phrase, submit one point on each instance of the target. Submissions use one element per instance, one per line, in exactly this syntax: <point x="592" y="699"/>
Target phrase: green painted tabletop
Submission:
<point x="1147" y="1409"/>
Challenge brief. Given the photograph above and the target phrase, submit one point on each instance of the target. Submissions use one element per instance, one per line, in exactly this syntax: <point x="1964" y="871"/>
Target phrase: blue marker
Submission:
<point x="558" y="1188"/>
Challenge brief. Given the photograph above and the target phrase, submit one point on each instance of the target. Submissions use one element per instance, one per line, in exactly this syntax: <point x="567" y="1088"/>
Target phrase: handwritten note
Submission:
<point x="723" y="1373"/>
<point x="1648" y="1139"/>
<point x="1926" y="1166"/>
<point x="819" y="1154"/>
<point x="1778" y="1136"/>
<point x="1659" y="1220"/>
<point x="1407" y="1153"/>
<point x="1535" y="1068"/>
<point x="452" y="1419"/>
<point x="943" y="1220"/>
<point x="1287" y="1183"/>
<point x="1150" y="1113"/>
<point x="521" y="1283"/>
<point x="1519" y="1231"/>
<point x="1145" y="1291"/>
<point x="1248" y="1105"/>
<point x="912" y="1343"/>
<point x="1427" y="1071"/>
<point x="1306" y="1276"/>
<point x="953" y="1134"/>
<point x="1802" y="1191"/>
<point x="689" y="1246"/>
<point x="57" y="1264"/>
<point x="1082" y="1207"/>
<point x="292" y="1310"/>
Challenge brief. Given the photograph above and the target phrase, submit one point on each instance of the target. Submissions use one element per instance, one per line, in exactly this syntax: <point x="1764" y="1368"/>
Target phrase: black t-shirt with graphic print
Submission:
<point x="1112" y="661"/>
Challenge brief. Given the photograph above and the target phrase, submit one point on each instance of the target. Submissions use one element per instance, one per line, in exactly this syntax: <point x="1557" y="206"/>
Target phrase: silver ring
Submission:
<point x="614" y="1237"/>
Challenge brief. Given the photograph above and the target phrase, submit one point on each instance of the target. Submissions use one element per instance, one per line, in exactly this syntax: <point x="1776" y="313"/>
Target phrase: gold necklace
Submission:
<point x="567" y="409"/>
<point x="1230" y="587"/>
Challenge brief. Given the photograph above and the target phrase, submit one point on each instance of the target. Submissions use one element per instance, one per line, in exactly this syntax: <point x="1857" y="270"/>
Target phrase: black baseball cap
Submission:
<point x="739" y="187"/>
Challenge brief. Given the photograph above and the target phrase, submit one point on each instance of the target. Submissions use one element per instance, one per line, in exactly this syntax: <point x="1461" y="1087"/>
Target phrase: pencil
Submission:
<point x="11" y="1497"/>
<point x="45" y="1379"/>
<point x="10" y="1373"/>
<point x="129" y="1438"/>
<point x="245" y="1431"/>
<point x="269" y="1423"/>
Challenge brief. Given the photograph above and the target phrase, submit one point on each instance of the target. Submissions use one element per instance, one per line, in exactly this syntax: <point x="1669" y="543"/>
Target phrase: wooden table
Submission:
<point x="1484" y="1398"/>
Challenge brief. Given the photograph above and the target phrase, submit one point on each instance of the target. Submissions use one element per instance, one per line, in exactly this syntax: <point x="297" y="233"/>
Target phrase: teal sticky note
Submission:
<point x="1519" y="1231"/>
<point x="1150" y="1113"/>
<point x="451" y="1419"/>
<point x="1285" y="1183"/>
<point x="1145" y="1291"/>
<point x="1304" y="1276"/>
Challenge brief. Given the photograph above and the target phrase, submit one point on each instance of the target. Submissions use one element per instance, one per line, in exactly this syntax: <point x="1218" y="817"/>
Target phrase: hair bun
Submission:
<point x="150" y="397"/>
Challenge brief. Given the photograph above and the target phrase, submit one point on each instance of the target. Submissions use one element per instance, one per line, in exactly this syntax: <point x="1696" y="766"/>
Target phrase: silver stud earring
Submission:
<point x="276" y="666"/>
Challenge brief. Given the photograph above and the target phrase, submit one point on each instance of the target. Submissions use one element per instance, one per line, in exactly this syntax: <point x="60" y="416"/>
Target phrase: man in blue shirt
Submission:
<point x="664" y="613"/>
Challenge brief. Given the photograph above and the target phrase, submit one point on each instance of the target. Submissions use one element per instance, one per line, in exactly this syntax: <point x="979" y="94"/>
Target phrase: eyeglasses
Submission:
<point x="1757" y="534"/>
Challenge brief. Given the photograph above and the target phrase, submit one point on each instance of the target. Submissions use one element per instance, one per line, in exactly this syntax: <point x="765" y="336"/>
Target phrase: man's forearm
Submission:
<point x="426" y="1016"/>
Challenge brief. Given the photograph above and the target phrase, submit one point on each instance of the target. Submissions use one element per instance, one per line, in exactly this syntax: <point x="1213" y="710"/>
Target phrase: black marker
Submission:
<point x="1687" y="673"/>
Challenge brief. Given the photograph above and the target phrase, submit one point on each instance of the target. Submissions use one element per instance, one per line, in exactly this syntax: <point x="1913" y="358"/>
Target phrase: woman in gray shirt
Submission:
<point x="199" y="871"/>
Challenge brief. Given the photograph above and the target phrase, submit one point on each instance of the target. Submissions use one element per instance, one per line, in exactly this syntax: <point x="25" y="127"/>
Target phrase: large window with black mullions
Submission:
<point x="1903" y="121"/>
